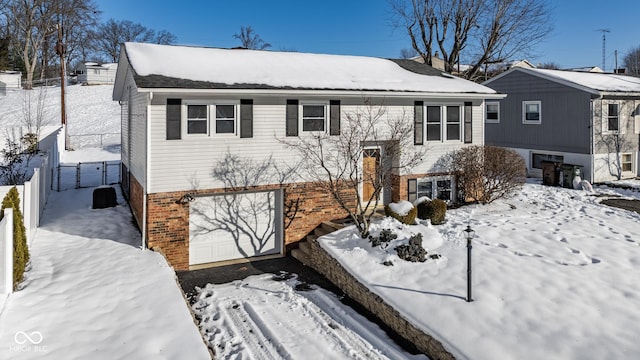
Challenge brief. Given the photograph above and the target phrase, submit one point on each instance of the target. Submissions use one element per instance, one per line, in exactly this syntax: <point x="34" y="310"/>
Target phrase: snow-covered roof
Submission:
<point x="596" y="82"/>
<point x="160" y="66"/>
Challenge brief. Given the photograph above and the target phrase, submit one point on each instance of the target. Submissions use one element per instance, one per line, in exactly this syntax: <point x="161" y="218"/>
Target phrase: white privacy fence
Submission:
<point x="6" y="254"/>
<point x="33" y="197"/>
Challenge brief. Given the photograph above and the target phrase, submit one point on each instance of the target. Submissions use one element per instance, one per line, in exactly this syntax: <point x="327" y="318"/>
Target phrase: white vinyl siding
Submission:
<point x="187" y="163"/>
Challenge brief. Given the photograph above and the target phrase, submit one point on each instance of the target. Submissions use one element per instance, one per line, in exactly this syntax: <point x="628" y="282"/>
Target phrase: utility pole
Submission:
<point x="604" y="47"/>
<point x="63" y="114"/>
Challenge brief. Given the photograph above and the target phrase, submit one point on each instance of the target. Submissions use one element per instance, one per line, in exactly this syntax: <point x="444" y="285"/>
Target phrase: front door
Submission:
<point x="370" y="165"/>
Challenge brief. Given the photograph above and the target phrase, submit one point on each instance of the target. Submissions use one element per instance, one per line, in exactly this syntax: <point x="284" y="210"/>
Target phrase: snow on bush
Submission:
<point x="404" y="211"/>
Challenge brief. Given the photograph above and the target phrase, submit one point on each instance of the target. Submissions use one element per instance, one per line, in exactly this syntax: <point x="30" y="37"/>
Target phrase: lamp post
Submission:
<point x="469" y="234"/>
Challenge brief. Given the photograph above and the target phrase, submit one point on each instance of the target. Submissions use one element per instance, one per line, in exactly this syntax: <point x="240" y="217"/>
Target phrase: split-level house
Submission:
<point x="204" y="166"/>
<point x="588" y="119"/>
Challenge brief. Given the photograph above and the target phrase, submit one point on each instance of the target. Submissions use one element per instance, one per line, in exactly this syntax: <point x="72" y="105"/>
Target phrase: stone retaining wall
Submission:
<point x="325" y="264"/>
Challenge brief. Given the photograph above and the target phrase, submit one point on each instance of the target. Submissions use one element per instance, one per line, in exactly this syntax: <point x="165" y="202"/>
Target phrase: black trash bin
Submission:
<point x="104" y="197"/>
<point x="550" y="173"/>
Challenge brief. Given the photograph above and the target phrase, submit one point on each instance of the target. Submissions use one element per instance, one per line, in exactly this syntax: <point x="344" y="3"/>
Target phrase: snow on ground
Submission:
<point x="554" y="277"/>
<point x="265" y="317"/>
<point x="91" y="293"/>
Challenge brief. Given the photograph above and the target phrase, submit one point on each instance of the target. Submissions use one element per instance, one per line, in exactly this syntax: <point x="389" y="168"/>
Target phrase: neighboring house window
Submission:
<point x="225" y="119"/>
<point x="613" y="118"/>
<point x="493" y="112"/>
<point x="627" y="162"/>
<point x="537" y="159"/>
<point x="433" y="123"/>
<point x="453" y="122"/>
<point x="313" y="117"/>
<point x="197" y="119"/>
<point x="531" y="112"/>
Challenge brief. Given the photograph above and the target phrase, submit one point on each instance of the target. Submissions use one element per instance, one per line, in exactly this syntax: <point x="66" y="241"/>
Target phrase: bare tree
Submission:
<point x="631" y="61"/>
<point x="33" y="118"/>
<point x="615" y="143"/>
<point x="549" y="65"/>
<point x="111" y="34"/>
<point x="408" y="53"/>
<point x="250" y="40"/>
<point x="335" y="162"/>
<point x="487" y="31"/>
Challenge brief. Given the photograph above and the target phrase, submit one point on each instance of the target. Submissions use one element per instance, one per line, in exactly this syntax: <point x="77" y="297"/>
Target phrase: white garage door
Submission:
<point x="234" y="226"/>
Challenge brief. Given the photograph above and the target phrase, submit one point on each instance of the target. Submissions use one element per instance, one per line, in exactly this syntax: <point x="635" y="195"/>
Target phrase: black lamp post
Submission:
<point x="469" y="234"/>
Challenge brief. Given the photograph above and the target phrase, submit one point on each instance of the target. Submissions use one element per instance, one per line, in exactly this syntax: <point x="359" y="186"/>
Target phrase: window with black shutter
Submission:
<point x="246" y="118"/>
<point x="418" y="123"/>
<point x="292" y="117"/>
<point x="174" y="119"/>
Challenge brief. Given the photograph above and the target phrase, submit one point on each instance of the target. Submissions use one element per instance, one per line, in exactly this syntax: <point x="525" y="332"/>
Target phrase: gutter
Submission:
<point x="145" y="196"/>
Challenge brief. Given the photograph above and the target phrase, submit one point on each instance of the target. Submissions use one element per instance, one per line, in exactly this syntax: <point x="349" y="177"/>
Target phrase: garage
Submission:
<point x="234" y="226"/>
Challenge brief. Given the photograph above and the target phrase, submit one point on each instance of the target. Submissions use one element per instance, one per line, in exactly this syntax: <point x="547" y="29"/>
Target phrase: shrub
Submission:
<point x="20" y="247"/>
<point x="413" y="252"/>
<point x="486" y="173"/>
<point x="425" y="210"/>
<point x="437" y="211"/>
<point x="409" y="218"/>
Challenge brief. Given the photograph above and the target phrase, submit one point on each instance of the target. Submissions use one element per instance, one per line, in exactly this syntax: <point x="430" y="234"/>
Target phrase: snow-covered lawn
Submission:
<point x="555" y="276"/>
<point x="91" y="293"/>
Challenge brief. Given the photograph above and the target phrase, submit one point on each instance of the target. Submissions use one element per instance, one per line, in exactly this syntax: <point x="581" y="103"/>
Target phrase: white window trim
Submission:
<point x="443" y="122"/>
<point x="185" y="117"/>
<point x="301" y="106"/>
<point x="524" y="112"/>
<point x="631" y="162"/>
<point x="434" y="186"/>
<point x="211" y="118"/>
<point x="605" y="120"/>
<point x="491" y="121"/>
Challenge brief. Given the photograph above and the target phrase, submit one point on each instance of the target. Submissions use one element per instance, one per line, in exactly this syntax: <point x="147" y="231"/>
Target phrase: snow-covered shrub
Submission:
<point x="386" y="235"/>
<point x="20" y="248"/>
<point x="414" y="251"/>
<point x="402" y="211"/>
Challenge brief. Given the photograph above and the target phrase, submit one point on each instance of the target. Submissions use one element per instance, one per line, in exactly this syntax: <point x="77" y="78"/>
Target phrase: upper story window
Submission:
<point x="453" y="122"/>
<point x="197" y="120"/>
<point x="613" y="117"/>
<point x="225" y="119"/>
<point x="531" y="112"/>
<point x="434" y="121"/>
<point x="493" y="112"/>
<point x="313" y="117"/>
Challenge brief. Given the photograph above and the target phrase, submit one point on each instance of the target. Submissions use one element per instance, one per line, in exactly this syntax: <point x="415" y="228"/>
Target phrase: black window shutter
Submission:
<point x="174" y="119"/>
<point x="334" y="117"/>
<point x="246" y="118"/>
<point x="418" y="123"/>
<point x="468" y="121"/>
<point x="292" y="117"/>
<point x="412" y="190"/>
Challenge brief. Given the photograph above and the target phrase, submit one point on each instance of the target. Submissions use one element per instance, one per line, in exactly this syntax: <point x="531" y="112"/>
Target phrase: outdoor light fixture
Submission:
<point x="185" y="199"/>
<point x="469" y="234"/>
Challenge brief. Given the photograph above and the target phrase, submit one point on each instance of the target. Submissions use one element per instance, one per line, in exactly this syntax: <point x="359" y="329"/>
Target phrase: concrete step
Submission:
<point x="320" y="231"/>
<point x="305" y="247"/>
<point x="330" y="227"/>
<point x="300" y="256"/>
<point x="311" y="237"/>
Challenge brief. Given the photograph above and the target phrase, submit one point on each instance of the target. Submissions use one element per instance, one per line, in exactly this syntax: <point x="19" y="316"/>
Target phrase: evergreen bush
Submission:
<point x="408" y="219"/>
<point x="438" y="210"/>
<point x="425" y="210"/>
<point x="20" y="247"/>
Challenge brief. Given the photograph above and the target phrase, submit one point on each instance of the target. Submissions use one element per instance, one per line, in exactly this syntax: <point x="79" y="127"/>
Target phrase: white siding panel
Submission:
<point x="138" y="132"/>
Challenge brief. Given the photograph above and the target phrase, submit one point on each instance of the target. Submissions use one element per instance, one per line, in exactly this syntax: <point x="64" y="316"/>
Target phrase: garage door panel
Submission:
<point x="233" y="226"/>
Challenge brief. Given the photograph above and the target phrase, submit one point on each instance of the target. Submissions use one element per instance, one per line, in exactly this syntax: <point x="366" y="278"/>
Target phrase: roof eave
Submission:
<point x="327" y="92"/>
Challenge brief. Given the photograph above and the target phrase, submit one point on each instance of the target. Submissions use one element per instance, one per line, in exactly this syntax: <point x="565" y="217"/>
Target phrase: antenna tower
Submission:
<point x="604" y="47"/>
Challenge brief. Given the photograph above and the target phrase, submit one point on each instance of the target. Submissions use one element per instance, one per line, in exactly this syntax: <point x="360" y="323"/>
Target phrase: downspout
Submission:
<point x="146" y="175"/>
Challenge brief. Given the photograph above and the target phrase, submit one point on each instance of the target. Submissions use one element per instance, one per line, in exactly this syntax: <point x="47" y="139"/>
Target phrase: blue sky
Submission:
<point x="363" y="27"/>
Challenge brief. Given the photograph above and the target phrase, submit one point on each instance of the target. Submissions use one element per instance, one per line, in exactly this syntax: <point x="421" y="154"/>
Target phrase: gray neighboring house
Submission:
<point x="580" y="118"/>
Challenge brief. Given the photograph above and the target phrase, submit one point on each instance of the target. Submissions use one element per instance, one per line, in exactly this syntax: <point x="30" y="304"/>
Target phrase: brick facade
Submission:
<point x="136" y="199"/>
<point x="305" y="206"/>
